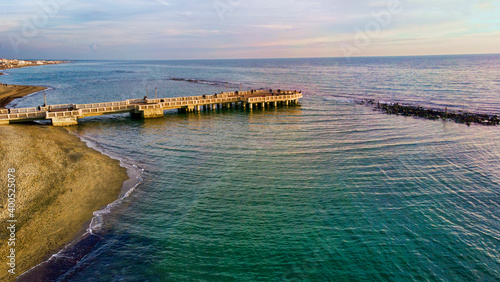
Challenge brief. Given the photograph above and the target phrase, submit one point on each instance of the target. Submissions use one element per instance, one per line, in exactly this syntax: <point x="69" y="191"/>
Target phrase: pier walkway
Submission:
<point x="68" y="114"/>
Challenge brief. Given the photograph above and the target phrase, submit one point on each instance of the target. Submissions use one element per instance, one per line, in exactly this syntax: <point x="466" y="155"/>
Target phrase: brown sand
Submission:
<point x="60" y="182"/>
<point x="11" y="92"/>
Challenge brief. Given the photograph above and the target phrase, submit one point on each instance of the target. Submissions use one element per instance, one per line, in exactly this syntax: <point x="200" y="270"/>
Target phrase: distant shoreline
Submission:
<point x="15" y="64"/>
<point x="10" y="92"/>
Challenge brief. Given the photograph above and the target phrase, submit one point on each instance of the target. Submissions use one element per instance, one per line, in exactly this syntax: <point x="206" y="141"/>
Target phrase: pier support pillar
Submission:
<point x="152" y="113"/>
<point x="250" y="106"/>
<point x="64" y="121"/>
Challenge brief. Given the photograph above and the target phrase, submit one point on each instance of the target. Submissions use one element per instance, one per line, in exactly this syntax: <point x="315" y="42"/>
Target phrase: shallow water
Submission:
<point x="329" y="190"/>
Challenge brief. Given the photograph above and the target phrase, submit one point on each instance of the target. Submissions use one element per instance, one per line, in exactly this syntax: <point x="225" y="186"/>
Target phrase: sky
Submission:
<point x="230" y="29"/>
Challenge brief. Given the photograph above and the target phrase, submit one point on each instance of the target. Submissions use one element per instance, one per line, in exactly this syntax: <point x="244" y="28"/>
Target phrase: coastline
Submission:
<point x="31" y="64"/>
<point x="60" y="183"/>
<point x="9" y="92"/>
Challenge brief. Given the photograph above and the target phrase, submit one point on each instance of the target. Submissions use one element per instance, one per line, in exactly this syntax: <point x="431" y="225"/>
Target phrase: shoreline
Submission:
<point x="57" y="264"/>
<point x="61" y="184"/>
<point x="32" y="64"/>
<point x="10" y="92"/>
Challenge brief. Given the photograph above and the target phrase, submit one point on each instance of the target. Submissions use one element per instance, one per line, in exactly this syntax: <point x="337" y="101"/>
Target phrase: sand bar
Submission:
<point x="60" y="182"/>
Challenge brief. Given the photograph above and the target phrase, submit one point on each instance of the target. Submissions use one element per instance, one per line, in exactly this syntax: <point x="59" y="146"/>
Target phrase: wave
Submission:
<point x="122" y="71"/>
<point x="344" y="100"/>
<point x="202" y="81"/>
<point x="63" y="261"/>
<point x="135" y="179"/>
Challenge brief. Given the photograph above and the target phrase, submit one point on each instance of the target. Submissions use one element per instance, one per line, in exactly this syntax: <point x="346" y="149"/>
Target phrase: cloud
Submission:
<point x="141" y="29"/>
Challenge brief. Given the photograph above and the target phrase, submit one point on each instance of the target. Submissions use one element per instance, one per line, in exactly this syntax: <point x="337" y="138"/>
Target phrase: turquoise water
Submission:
<point x="329" y="190"/>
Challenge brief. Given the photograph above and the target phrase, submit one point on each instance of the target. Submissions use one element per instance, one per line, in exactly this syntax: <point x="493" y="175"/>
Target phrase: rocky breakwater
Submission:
<point x="463" y="117"/>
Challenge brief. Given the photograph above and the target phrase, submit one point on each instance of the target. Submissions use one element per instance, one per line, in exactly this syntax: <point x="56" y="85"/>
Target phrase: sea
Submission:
<point x="328" y="190"/>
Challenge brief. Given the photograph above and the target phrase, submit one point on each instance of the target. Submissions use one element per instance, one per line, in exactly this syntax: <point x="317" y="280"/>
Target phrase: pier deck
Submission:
<point x="68" y="114"/>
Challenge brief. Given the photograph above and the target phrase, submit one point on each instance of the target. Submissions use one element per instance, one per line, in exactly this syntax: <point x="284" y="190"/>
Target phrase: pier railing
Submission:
<point x="97" y="105"/>
<point x="62" y="114"/>
<point x="104" y="109"/>
<point x="23" y="116"/>
<point x="272" y="98"/>
<point x="23" y="110"/>
<point x="65" y="114"/>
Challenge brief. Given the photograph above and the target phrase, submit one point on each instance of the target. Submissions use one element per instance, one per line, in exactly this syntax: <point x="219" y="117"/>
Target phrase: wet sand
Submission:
<point x="10" y="92"/>
<point x="60" y="182"/>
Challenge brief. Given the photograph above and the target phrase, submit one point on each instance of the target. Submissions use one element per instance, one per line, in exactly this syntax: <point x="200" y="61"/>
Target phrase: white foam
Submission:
<point x="135" y="179"/>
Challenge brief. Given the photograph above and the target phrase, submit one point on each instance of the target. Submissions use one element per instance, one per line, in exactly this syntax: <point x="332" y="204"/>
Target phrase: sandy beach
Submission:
<point x="59" y="182"/>
<point x="10" y="92"/>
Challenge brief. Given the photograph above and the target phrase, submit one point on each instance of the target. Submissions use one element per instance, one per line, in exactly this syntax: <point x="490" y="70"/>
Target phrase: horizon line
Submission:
<point x="265" y="58"/>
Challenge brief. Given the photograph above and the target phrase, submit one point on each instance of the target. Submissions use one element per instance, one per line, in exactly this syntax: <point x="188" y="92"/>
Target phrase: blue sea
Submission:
<point x="326" y="191"/>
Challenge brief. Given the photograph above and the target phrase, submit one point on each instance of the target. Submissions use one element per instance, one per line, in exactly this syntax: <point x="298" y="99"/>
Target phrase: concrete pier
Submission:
<point x="69" y="114"/>
<point x="63" y="121"/>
